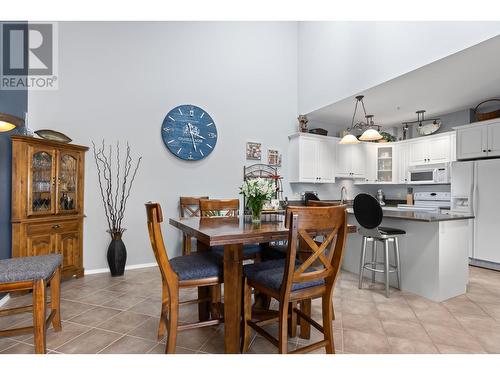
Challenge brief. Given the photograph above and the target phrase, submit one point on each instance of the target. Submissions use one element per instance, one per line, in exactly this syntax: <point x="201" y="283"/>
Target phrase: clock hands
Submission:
<point x="191" y="132"/>
<point x="199" y="136"/>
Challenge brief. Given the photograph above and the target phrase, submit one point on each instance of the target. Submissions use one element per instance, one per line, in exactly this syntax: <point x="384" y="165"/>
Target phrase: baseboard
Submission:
<point x="4" y="300"/>
<point x="131" y="267"/>
<point x="484" y="264"/>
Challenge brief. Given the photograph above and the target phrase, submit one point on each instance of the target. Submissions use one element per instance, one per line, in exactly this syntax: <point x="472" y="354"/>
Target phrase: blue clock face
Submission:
<point x="189" y="132"/>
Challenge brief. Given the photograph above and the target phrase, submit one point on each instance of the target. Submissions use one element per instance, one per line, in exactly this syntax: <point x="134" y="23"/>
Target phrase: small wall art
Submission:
<point x="254" y="151"/>
<point x="274" y="158"/>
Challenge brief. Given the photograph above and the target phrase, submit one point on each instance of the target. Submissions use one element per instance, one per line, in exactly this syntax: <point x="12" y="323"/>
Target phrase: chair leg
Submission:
<point x="203" y="307"/>
<point x="215" y="297"/>
<point x="247" y="315"/>
<point x="55" y="299"/>
<point x="305" y="327"/>
<point x="292" y="320"/>
<point x="164" y="312"/>
<point x="374" y="258"/>
<point x="283" y="329"/>
<point x="186" y="244"/>
<point x="39" y="322"/>
<point x="326" y="301"/>
<point x="386" y="267"/>
<point x="173" y="318"/>
<point x="398" y="263"/>
<point x="362" y="262"/>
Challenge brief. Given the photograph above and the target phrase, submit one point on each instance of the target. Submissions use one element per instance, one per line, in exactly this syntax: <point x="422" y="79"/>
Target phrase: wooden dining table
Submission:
<point x="232" y="233"/>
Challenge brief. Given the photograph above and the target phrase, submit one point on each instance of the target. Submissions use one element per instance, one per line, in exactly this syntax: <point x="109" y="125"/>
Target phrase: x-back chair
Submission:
<point x="296" y="281"/>
<point x="189" y="207"/>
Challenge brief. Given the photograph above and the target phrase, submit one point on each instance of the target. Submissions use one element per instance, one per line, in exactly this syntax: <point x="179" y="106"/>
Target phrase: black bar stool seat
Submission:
<point x="390" y="231"/>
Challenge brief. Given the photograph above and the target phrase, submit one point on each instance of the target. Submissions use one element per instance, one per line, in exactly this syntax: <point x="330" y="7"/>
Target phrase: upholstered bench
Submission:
<point x="33" y="274"/>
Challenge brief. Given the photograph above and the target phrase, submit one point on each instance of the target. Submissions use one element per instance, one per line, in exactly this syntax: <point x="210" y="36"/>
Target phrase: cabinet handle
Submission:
<point x="57" y="226"/>
<point x="484" y="150"/>
<point x="489" y="150"/>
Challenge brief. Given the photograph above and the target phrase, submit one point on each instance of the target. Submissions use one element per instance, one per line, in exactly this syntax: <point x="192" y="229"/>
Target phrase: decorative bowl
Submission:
<point x="52" y="135"/>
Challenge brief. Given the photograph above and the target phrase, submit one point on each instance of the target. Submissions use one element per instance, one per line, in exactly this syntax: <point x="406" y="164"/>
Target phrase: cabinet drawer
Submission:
<point x="53" y="227"/>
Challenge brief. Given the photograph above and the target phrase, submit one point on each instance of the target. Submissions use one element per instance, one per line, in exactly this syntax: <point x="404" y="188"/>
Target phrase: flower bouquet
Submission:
<point x="257" y="191"/>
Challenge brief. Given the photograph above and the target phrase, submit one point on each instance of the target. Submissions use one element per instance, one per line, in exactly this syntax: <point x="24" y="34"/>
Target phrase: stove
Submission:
<point x="429" y="201"/>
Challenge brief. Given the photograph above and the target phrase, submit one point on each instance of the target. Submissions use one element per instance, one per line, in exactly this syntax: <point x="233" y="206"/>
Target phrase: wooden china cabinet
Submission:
<point x="47" y="200"/>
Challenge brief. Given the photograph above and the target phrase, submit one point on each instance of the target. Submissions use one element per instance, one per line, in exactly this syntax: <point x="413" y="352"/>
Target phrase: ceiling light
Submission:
<point x="370" y="135"/>
<point x="369" y="128"/>
<point x="349" y="139"/>
<point x="9" y="122"/>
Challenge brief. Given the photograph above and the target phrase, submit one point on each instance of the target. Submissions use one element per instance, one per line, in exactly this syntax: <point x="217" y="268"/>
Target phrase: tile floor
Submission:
<point x="102" y="314"/>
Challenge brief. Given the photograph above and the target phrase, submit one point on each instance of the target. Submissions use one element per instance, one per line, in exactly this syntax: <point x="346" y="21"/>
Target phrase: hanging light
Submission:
<point x="370" y="133"/>
<point x="349" y="139"/>
<point x="9" y="122"/>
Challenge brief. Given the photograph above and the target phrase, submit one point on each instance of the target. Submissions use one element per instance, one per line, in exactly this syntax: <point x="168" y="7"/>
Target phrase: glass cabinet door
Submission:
<point x="384" y="164"/>
<point x="42" y="181"/>
<point x="67" y="182"/>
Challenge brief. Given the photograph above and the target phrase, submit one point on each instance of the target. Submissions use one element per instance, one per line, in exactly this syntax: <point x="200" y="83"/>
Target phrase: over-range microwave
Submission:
<point x="429" y="174"/>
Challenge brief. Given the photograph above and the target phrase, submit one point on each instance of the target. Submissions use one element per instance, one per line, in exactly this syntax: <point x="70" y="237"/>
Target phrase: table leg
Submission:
<point x="203" y="291"/>
<point x="233" y="269"/>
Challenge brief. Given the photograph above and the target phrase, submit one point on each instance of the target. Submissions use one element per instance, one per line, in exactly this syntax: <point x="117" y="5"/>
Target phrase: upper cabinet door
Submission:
<point x="417" y="152"/>
<point x="326" y="161"/>
<point x="41" y="181"/>
<point x="67" y="182"/>
<point x="438" y="150"/>
<point x="472" y="142"/>
<point x="308" y="160"/>
<point x="343" y="166"/>
<point x="494" y="139"/>
<point x="358" y="157"/>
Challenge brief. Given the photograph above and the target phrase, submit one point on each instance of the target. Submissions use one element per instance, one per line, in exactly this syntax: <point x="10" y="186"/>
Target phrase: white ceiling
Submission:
<point x="454" y="83"/>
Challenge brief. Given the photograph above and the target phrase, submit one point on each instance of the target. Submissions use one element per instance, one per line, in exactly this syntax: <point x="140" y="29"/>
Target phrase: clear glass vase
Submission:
<point x="256" y="213"/>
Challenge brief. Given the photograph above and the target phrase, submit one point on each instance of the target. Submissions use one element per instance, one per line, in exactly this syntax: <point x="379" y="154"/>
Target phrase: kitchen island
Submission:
<point x="433" y="252"/>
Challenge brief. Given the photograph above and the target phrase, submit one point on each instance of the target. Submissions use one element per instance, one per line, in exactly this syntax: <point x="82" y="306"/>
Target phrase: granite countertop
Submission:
<point x="428" y="217"/>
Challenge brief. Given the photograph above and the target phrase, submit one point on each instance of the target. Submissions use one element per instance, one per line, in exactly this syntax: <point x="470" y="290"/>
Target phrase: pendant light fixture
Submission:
<point x="9" y="122"/>
<point x="370" y="132"/>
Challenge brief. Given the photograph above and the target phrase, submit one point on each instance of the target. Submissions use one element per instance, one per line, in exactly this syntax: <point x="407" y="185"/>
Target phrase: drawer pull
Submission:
<point x="57" y="226"/>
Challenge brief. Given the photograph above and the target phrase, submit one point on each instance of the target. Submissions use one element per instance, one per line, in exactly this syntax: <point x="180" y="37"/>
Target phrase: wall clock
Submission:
<point x="189" y="132"/>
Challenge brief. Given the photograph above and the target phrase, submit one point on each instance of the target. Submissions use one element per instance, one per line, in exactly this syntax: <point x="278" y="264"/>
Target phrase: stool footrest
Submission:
<point x="370" y="266"/>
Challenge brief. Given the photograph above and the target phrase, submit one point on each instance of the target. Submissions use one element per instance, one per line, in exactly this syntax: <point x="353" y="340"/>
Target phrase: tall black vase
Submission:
<point x="117" y="255"/>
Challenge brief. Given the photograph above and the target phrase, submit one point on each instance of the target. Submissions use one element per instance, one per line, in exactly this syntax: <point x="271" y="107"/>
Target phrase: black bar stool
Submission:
<point x="369" y="215"/>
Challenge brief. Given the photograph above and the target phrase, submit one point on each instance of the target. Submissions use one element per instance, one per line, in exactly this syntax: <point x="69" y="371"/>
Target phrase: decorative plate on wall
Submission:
<point x="189" y="132"/>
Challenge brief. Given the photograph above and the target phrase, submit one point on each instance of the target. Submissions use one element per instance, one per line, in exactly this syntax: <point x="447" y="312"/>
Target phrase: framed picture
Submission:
<point x="254" y="151"/>
<point x="274" y="158"/>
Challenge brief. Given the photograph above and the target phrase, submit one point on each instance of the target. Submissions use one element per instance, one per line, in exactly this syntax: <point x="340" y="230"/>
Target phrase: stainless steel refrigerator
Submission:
<point x="475" y="188"/>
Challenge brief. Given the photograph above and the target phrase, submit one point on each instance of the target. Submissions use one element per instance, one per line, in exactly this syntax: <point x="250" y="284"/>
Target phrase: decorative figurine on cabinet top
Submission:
<point x="303" y="123"/>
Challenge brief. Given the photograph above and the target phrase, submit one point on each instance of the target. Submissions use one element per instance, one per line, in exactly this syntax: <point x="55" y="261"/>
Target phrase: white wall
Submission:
<point x="340" y="59"/>
<point x="118" y="81"/>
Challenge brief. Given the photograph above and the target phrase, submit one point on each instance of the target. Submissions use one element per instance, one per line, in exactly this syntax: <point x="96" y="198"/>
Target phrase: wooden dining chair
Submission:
<point x="203" y="269"/>
<point x="189" y="207"/>
<point x="322" y="203"/>
<point x="34" y="273"/>
<point x="295" y="281"/>
<point x="217" y="208"/>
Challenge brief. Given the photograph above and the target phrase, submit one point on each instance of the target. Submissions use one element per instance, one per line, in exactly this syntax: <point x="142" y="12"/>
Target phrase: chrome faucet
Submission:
<point x="343" y="191"/>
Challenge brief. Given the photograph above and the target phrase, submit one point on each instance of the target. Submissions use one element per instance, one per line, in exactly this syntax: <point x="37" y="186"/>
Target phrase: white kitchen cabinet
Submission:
<point x="430" y="150"/>
<point x="478" y="140"/>
<point x="312" y="158"/>
<point x="494" y="139"/>
<point x="351" y="161"/>
<point x="402" y="162"/>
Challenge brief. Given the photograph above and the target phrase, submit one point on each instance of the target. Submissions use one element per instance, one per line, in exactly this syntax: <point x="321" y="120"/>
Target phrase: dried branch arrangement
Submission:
<point x="114" y="184"/>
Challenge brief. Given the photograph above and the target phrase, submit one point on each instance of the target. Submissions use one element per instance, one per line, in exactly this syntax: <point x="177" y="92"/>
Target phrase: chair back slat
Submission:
<point x="190" y="206"/>
<point x="155" y="218"/>
<point x="219" y="207"/>
<point x="304" y="224"/>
